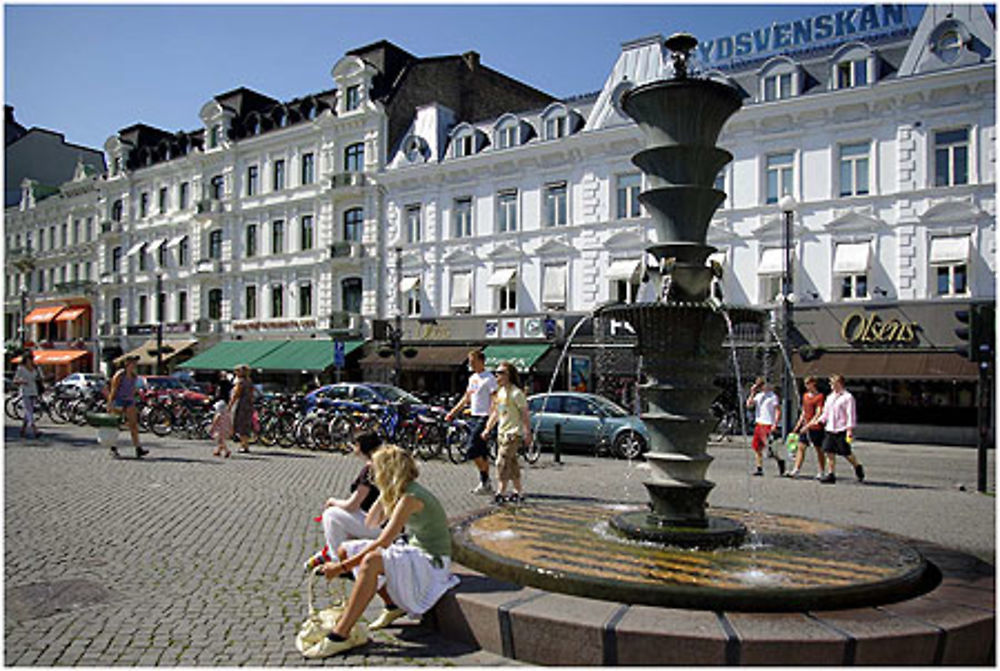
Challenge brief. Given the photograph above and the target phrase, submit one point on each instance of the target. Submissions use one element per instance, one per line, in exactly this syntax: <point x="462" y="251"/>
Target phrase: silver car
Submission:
<point x="587" y="422"/>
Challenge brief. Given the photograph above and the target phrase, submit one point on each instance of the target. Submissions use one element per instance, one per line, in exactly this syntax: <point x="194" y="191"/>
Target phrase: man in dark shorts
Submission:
<point x="812" y="407"/>
<point x="478" y="395"/>
<point x="839" y="417"/>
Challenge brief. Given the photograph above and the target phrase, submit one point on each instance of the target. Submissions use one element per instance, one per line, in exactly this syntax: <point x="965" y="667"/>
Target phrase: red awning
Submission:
<point x="43" y="315"/>
<point x="70" y="314"/>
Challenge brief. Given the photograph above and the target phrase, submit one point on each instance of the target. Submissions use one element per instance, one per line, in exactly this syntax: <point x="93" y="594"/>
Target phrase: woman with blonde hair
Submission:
<point x="241" y="406"/>
<point x="409" y="577"/>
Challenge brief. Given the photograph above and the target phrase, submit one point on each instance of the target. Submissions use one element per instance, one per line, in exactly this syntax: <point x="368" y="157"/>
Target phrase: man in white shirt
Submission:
<point x="767" y="415"/>
<point x="478" y="395"/>
<point x="839" y="417"/>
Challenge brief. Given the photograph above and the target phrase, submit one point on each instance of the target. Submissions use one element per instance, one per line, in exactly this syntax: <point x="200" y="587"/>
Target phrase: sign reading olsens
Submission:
<point x="871" y="329"/>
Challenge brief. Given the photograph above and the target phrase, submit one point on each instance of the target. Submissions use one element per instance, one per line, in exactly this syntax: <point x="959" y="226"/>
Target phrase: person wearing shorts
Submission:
<point x="839" y="417"/>
<point x="767" y="415"/>
<point x="478" y="396"/>
<point x="121" y="400"/>
<point x="812" y="406"/>
<point x="510" y="414"/>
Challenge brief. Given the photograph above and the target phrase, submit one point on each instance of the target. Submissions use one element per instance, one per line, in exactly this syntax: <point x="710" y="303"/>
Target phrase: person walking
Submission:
<point x="221" y="429"/>
<point x="478" y="394"/>
<point x="812" y="406"/>
<point x="767" y="414"/>
<point x="121" y="400"/>
<point x="839" y="417"/>
<point x="509" y="413"/>
<point x="223" y="386"/>
<point x="412" y="575"/>
<point x="29" y="379"/>
<point x="241" y="406"/>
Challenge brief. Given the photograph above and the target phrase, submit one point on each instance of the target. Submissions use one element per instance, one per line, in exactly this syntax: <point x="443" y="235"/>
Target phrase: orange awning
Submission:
<point x="43" y="315"/>
<point x="54" y="357"/>
<point x="70" y="314"/>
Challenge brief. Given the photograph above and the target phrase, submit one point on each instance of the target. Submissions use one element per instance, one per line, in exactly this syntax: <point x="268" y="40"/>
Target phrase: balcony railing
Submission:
<point x="346" y="250"/>
<point x="209" y="206"/>
<point x="345" y="321"/>
<point x="213" y="266"/>
<point x="346" y="179"/>
<point x="111" y="226"/>
<point x="74" y="287"/>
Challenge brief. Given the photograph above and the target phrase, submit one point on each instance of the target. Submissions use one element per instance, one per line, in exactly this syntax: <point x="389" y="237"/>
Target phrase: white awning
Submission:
<point x="409" y="284"/>
<point x="461" y="290"/>
<point x="554" y="285"/>
<point x="624" y="269"/>
<point x="176" y="240"/>
<point x="954" y="249"/>
<point x="772" y="261"/>
<point x="501" y="277"/>
<point x="852" y="258"/>
<point x="134" y="249"/>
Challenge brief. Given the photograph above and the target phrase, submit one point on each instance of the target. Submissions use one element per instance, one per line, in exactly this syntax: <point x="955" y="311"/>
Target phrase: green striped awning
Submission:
<point x="303" y="355"/>
<point x="522" y="356"/>
<point x="228" y="354"/>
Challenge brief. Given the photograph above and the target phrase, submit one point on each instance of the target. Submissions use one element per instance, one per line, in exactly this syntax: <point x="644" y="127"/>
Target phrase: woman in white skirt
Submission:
<point x="409" y="577"/>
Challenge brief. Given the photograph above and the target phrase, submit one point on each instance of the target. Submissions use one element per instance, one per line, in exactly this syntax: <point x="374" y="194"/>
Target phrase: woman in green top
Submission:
<point x="410" y="577"/>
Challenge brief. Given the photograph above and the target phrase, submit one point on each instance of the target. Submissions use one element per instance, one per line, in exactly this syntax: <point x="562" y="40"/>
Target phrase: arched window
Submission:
<point x="779" y="79"/>
<point x="354" y="221"/>
<point x="354" y="157"/>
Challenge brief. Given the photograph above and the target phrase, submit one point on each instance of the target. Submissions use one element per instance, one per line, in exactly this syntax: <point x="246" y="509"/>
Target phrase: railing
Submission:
<point x="345" y="179"/>
<point x="74" y="287"/>
<point x="111" y="226"/>
<point x="209" y="206"/>
<point x="346" y="250"/>
<point x="111" y="278"/>
<point x="213" y="266"/>
<point x="345" y="321"/>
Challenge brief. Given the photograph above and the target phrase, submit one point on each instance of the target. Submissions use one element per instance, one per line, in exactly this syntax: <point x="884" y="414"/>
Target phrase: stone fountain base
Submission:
<point x="714" y="532"/>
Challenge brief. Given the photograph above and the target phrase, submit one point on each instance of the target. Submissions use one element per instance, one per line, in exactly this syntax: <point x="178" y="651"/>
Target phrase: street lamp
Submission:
<point x="787" y="205"/>
<point x="397" y="331"/>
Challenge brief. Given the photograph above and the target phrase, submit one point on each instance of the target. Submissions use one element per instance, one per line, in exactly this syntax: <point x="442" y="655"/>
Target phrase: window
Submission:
<point x="504" y="284"/>
<point x="116" y="215"/>
<point x="278" y="183"/>
<point x="851" y="261"/>
<point x="410" y="288"/>
<point x="143" y="308"/>
<point x="277" y="301"/>
<point x="354" y="222"/>
<point x="52" y="237"/>
<point x="951" y="279"/>
<point x="352" y="98"/>
<point x="853" y="286"/>
<point x="142" y="258"/>
<point x="41" y="281"/>
<point x="628" y="195"/>
<point x="162" y="200"/>
<point x="770" y="288"/>
<point x="215" y="244"/>
<point x="555" y="127"/>
<point x="305" y="299"/>
<point x="779" y="176"/>
<point x="183" y="195"/>
<point x="89" y="272"/>
<point x="624" y="277"/>
<point x="507" y="211"/>
<point x="278" y="236"/>
<point x="949" y="259"/>
<point x="852" y="73"/>
<point x="217" y="187"/>
<point x="462" y="218"/>
<point x="414" y="232"/>
<point x="778" y="87"/>
<point x="354" y="157"/>
<point x="215" y="304"/>
<point x="461" y="292"/>
<point x="308" y="161"/>
<point x="76" y="235"/>
<point x="554" y="286"/>
<point x="63" y="235"/>
<point x="143" y="204"/>
<point x="74" y="272"/>
<point x="464" y="145"/>
<point x="253" y="180"/>
<point x="116" y="310"/>
<point x="161" y="254"/>
<point x="182" y="306"/>
<point x="306" y="232"/>
<point x="555" y="204"/>
<point x="183" y="252"/>
<point x="88" y="229"/>
<point x="116" y="260"/>
<point x="854" y="169"/>
<point x="250" y="302"/>
<point x="951" y="157"/>
<point x="507" y="136"/>
<point x="720" y="185"/>
<point x="214" y="134"/>
<point x="770" y="271"/>
<point x="350" y="295"/>
<point x="250" y="243"/>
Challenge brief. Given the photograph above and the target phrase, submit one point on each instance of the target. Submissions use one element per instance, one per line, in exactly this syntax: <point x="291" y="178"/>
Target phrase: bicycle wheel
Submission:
<point x="456" y="442"/>
<point x="14" y="408"/>
<point x="532" y="454"/>
<point x="340" y="433"/>
<point x="428" y="442"/>
<point x="159" y="420"/>
<point x="286" y="430"/>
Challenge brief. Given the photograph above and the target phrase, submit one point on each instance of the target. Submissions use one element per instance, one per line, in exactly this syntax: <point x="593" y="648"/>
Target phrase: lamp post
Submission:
<point x="788" y="205"/>
<point x="159" y="324"/>
<point x="397" y="331"/>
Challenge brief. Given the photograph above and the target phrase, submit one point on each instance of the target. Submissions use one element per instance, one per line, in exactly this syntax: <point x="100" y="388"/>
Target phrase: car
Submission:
<point x="170" y="385"/>
<point x="587" y="422"/>
<point x="188" y="380"/>
<point x="362" y="392"/>
<point x="79" y="383"/>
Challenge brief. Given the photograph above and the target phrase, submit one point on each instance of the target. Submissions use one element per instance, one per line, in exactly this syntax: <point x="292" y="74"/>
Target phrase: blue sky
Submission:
<point x="89" y="70"/>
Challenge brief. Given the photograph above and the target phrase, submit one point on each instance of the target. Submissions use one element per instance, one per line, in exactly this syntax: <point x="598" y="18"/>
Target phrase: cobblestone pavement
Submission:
<point x="186" y="559"/>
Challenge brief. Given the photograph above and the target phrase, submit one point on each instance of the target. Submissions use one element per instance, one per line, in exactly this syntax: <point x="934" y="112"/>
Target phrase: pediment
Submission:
<point x="210" y="110"/>
<point x="773" y="225"/>
<point x="504" y="253"/>
<point x="412" y="259"/>
<point x="951" y="211"/>
<point x="625" y="240"/>
<point x="854" y="221"/>
<point x="461" y="257"/>
<point x="348" y="67"/>
<point x="554" y="248"/>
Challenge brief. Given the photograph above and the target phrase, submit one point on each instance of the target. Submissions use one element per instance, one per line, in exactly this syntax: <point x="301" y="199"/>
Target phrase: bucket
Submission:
<point x="107" y="427"/>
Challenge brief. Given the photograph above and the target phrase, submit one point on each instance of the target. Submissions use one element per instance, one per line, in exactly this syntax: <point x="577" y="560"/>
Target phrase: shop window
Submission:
<point x="951" y="157"/>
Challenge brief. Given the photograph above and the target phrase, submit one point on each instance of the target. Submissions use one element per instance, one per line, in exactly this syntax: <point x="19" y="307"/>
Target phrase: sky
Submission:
<point x="87" y="71"/>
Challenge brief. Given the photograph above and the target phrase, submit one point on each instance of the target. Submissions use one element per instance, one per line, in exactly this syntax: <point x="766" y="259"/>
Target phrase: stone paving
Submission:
<point x="186" y="559"/>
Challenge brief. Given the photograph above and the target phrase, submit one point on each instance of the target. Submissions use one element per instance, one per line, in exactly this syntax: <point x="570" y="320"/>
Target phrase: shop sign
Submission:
<point x="804" y="35"/>
<point x="859" y="328"/>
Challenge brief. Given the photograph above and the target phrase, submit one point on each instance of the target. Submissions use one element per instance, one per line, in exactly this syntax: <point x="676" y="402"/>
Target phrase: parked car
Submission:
<point x="79" y="383"/>
<point x="170" y="385"/>
<point x="362" y="392"/>
<point x="587" y="422"/>
<point x="187" y="378"/>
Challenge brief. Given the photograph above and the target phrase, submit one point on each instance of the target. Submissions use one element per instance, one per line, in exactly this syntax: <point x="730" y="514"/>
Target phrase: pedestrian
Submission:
<point x="839" y="417"/>
<point x="223" y="386"/>
<point x="509" y="413"/>
<point x="413" y="575"/>
<point x="344" y="519"/>
<point x="121" y="400"/>
<point x="767" y="414"/>
<point x="812" y="407"/>
<point x="478" y="394"/>
<point x="29" y="379"/>
<point x="241" y="406"/>
<point x="222" y="429"/>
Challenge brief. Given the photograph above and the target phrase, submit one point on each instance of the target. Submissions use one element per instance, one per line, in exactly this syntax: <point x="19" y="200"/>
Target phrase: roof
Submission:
<point x="230" y="353"/>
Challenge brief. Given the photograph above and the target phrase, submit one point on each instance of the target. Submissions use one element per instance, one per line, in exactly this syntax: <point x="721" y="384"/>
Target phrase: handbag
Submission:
<point x="319" y="623"/>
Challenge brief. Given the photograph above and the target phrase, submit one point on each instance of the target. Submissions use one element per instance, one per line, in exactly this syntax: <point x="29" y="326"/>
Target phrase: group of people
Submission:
<point x="825" y="422"/>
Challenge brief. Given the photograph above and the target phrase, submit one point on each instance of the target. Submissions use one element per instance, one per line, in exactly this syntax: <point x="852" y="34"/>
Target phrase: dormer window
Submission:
<point x="559" y="121"/>
<point x="214" y="136"/>
<point x="352" y="98"/>
<point x="779" y="79"/>
<point x="555" y="127"/>
<point x="949" y="45"/>
<point x="852" y="73"/>
<point x="778" y="87"/>
<point x="508" y="133"/>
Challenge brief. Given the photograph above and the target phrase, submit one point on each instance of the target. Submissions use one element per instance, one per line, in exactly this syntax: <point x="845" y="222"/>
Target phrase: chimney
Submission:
<point x="471" y="59"/>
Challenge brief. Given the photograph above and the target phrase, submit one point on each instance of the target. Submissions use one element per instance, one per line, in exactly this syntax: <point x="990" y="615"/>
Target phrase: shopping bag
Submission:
<point x="319" y="622"/>
<point x="792" y="442"/>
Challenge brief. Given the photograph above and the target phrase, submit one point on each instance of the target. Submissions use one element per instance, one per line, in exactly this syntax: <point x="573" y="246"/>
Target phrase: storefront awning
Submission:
<point x="147" y="351"/>
<point x="445" y="357"/>
<point x="55" y="357"/>
<point x="888" y="365"/>
<point x="624" y="269"/>
<point x="70" y="314"/>
<point x="852" y="258"/>
<point x="227" y="355"/>
<point x="302" y="355"/>
<point x="409" y="284"/>
<point x="522" y="356"/>
<point x="43" y="315"/>
<point x="501" y="277"/>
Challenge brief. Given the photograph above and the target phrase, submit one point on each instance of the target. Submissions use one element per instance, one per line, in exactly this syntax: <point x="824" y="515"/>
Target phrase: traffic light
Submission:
<point x="966" y="334"/>
<point x="979" y="332"/>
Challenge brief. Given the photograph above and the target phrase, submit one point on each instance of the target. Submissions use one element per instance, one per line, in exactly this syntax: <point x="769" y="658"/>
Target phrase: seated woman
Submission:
<point x="410" y="577"/>
<point x="344" y="519"/>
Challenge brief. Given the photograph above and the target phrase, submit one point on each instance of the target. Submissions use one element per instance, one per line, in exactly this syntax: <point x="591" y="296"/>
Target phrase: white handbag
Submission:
<point x="320" y="622"/>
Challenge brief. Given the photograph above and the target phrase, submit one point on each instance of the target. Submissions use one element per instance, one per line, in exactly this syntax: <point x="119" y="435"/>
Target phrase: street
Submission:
<point x="187" y="559"/>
